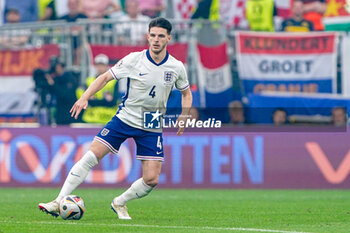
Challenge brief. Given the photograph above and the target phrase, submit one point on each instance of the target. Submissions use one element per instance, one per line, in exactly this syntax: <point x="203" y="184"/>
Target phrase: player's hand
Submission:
<point x="79" y="105"/>
<point x="181" y="123"/>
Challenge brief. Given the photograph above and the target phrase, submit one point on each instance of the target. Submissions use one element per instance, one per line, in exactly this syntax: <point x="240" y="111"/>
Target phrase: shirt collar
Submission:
<point x="157" y="64"/>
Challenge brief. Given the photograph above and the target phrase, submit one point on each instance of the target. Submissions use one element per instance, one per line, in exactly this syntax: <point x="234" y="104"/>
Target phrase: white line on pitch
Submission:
<point x="155" y="226"/>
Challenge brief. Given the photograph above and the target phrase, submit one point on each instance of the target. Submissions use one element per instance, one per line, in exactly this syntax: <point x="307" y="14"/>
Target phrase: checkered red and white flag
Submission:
<point x="232" y="13"/>
<point x="184" y="9"/>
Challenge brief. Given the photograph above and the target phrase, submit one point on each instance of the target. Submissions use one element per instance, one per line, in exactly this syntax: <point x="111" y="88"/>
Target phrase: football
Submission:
<point x="72" y="207"/>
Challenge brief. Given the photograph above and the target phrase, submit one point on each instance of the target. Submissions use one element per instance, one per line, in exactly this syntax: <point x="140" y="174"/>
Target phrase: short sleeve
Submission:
<point x="182" y="81"/>
<point x="122" y="68"/>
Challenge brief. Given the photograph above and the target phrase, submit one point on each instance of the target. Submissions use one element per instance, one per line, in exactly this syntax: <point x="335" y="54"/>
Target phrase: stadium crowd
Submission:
<point x="262" y="15"/>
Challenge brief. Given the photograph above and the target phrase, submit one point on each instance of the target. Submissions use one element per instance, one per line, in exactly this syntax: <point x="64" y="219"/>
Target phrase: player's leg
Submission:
<point x="143" y="186"/>
<point x="150" y="152"/>
<point x="80" y="170"/>
<point x="77" y="175"/>
<point x="107" y="140"/>
<point x="140" y="188"/>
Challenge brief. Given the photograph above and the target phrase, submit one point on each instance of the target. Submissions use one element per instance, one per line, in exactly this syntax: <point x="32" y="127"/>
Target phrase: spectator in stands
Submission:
<point x="297" y="23"/>
<point x="12" y="16"/>
<point x="236" y="112"/>
<point x="11" y="39"/>
<point x="97" y="9"/>
<point x="63" y="85"/>
<point x="151" y="8"/>
<point x="74" y="13"/>
<point x="28" y="9"/>
<point x="103" y="103"/>
<point x="260" y="15"/>
<point x="133" y="29"/>
<point x="313" y="11"/>
<point x="339" y="116"/>
<point x="279" y="117"/>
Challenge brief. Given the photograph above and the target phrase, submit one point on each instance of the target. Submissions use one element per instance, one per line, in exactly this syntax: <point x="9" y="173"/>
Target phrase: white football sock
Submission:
<point x="138" y="189"/>
<point x="78" y="174"/>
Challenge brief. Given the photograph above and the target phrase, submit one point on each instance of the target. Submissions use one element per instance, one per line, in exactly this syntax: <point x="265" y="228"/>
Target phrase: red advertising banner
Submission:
<point x="42" y="157"/>
<point x="23" y="62"/>
<point x="117" y="52"/>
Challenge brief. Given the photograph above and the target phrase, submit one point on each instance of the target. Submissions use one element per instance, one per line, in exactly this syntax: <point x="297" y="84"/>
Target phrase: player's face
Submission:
<point x="158" y="39"/>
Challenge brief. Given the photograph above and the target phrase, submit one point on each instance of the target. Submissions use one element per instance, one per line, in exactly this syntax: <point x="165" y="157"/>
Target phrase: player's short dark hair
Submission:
<point x="162" y="23"/>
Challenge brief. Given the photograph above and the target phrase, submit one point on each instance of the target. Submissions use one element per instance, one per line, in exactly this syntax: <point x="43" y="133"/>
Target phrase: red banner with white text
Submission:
<point x="16" y="90"/>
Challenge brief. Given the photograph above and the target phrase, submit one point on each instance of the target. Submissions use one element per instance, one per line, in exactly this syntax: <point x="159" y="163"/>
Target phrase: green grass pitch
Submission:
<point x="173" y="210"/>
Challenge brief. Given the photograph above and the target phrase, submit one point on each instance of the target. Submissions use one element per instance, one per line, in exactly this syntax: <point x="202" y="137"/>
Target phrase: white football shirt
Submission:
<point x="148" y="85"/>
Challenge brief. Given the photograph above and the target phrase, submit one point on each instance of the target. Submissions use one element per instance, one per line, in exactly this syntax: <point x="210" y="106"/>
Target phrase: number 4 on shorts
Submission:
<point x="159" y="143"/>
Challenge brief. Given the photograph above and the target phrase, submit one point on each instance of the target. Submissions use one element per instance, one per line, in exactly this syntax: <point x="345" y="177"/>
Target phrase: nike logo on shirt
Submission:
<point x="159" y="152"/>
<point x="142" y="74"/>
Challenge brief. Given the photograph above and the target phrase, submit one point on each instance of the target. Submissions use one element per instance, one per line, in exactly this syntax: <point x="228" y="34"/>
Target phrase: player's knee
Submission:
<point x="99" y="149"/>
<point x="151" y="180"/>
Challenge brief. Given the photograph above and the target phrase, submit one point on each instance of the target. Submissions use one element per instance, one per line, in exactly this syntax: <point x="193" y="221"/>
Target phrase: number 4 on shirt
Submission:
<point x="152" y="92"/>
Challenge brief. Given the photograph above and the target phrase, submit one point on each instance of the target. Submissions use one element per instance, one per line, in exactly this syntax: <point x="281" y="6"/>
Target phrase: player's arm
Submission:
<point x="186" y="102"/>
<point x="82" y="102"/>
